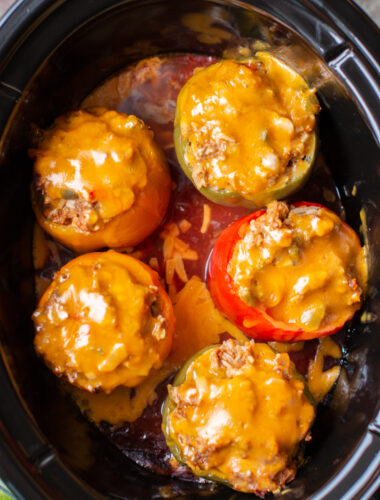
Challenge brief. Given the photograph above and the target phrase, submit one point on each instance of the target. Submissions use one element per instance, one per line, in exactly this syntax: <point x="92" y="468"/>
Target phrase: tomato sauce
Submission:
<point x="149" y="90"/>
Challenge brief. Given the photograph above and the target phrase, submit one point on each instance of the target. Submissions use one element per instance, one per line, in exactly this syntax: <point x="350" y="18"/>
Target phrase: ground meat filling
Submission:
<point x="232" y="357"/>
<point x="271" y="226"/>
<point x="210" y="144"/>
<point x="240" y="415"/>
<point x="301" y="264"/>
<point x="70" y="210"/>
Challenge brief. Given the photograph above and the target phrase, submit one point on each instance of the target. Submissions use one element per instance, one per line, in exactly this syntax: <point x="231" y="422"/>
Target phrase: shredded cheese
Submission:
<point x="190" y="254"/>
<point x="184" y="225"/>
<point x="169" y="271"/>
<point x="175" y="251"/>
<point x="168" y="247"/>
<point x="180" y="246"/>
<point x="170" y="229"/>
<point x="206" y="218"/>
<point x="180" y="268"/>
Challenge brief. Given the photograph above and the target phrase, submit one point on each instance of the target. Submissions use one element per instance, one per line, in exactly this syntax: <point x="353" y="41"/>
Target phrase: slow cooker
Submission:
<point x="52" y="54"/>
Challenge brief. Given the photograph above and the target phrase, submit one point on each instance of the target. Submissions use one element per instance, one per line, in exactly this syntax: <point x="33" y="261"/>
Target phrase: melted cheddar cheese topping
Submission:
<point x="247" y="125"/>
<point x="103" y="322"/>
<point x="192" y="333"/>
<point x="303" y="266"/>
<point x="91" y="166"/>
<point x="239" y="416"/>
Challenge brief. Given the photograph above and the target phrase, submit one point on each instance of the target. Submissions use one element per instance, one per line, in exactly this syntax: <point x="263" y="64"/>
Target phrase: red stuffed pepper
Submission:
<point x="288" y="273"/>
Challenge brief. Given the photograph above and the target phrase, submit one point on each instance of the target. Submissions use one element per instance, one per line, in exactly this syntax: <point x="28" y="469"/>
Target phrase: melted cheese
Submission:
<point x="304" y="267"/>
<point x="193" y="332"/>
<point x="239" y="415"/>
<point x="96" y="161"/>
<point x="198" y="322"/>
<point x="100" y="180"/>
<point x="121" y="405"/>
<point x="246" y="125"/>
<point x="96" y="324"/>
<point x="320" y="382"/>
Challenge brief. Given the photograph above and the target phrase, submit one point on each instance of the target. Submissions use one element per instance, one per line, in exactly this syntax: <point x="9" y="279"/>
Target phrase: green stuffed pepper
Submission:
<point x="237" y="413"/>
<point x="245" y="130"/>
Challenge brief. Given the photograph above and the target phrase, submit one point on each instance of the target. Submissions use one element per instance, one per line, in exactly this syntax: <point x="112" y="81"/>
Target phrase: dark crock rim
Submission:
<point x="28" y="464"/>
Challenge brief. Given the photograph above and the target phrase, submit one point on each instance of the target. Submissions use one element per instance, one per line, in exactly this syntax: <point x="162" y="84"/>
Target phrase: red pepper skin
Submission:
<point x="253" y="321"/>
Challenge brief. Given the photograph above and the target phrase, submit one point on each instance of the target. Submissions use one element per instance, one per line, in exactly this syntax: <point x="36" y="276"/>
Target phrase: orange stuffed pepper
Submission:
<point x="100" y="180"/>
<point x="104" y="321"/>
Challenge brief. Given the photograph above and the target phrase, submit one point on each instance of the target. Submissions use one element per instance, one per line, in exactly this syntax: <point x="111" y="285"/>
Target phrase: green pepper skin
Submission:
<point x="169" y="406"/>
<point x="257" y="200"/>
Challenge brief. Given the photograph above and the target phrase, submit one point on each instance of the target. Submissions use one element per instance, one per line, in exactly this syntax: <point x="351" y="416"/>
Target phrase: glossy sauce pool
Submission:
<point x="149" y="90"/>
